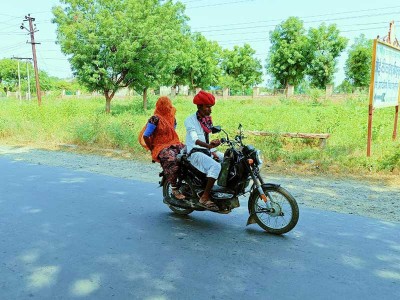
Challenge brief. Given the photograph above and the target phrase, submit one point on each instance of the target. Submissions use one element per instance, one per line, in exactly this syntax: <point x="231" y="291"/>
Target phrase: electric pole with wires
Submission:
<point x="32" y="29"/>
<point x="27" y="59"/>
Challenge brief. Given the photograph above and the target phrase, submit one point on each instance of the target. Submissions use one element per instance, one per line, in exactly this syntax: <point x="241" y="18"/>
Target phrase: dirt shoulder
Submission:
<point x="375" y="197"/>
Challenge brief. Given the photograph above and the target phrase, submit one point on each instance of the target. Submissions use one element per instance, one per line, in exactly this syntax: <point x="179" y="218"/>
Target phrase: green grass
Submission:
<point x="83" y="122"/>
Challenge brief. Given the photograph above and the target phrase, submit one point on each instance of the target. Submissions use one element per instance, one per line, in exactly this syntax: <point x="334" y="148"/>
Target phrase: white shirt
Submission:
<point x="194" y="132"/>
<point x="202" y="162"/>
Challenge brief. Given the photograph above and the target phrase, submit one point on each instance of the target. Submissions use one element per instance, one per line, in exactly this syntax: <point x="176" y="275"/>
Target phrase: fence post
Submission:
<point x="225" y="93"/>
<point x="256" y="91"/>
<point x="289" y="90"/>
<point x="328" y="90"/>
<point x="173" y="92"/>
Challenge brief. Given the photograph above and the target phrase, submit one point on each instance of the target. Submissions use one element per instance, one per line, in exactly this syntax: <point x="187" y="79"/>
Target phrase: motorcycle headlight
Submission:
<point x="252" y="153"/>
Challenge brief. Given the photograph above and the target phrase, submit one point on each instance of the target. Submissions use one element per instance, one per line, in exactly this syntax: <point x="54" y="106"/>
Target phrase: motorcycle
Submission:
<point x="272" y="207"/>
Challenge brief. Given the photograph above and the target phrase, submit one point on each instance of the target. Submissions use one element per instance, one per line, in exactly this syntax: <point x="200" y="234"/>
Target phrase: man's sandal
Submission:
<point x="209" y="205"/>
<point x="177" y="194"/>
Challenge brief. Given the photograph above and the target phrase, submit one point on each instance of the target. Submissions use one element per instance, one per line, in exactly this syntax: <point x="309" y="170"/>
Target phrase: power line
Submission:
<point x="11" y="33"/>
<point x="6" y="15"/>
<point x="189" y="1"/>
<point x="219" y="4"/>
<point x="313" y="21"/>
<point x="304" y="17"/>
<point x="12" y="48"/>
<point x="54" y="58"/>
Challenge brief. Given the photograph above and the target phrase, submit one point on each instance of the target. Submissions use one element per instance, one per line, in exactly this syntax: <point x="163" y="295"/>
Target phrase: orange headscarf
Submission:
<point x="165" y="134"/>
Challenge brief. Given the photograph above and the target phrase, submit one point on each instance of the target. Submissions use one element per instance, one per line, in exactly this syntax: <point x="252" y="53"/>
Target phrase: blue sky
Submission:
<point x="229" y="22"/>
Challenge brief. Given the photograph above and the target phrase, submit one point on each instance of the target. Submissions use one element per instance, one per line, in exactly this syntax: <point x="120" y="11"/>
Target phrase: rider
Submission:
<point x="159" y="136"/>
<point x="201" y="150"/>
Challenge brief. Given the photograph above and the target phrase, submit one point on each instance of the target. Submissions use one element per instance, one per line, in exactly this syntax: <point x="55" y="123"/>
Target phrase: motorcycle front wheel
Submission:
<point x="167" y="194"/>
<point x="281" y="216"/>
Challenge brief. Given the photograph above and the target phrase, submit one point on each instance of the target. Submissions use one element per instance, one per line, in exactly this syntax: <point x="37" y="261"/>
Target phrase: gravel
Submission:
<point x="376" y="199"/>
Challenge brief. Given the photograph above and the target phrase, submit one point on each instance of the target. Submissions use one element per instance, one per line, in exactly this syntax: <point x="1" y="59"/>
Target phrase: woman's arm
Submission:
<point x="148" y="132"/>
<point x="148" y="142"/>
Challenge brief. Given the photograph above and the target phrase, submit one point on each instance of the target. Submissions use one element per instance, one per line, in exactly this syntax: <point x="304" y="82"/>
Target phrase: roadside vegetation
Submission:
<point x="83" y="122"/>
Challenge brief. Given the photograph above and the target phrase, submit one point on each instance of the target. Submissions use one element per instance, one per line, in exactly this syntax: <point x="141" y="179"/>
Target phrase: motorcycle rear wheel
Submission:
<point x="285" y="213"/>
<point x="167" y="194"/>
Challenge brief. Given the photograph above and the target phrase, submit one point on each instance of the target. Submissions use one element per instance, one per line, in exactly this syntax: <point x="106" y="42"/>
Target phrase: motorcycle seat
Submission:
<point x="189" y="166"/>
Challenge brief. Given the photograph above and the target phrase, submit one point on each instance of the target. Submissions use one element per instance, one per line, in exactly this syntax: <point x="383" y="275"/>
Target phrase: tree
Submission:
<point x="181" y="68"/>
<point x="242" y="67"/>
<point x="197" y="62"/>
<point x="67" y="84"/>
<point x="358" y="63"/>
<point x="325" y="46"/>
<point x="345" y="87"/>
<point x="158" y="57"/>
<point x="117" y="43"/>
<point x="287" y="60"/>
<point x="9" y="74"/>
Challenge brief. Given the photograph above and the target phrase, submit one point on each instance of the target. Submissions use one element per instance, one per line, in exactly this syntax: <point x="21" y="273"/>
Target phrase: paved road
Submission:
<point x="68" y="234"/>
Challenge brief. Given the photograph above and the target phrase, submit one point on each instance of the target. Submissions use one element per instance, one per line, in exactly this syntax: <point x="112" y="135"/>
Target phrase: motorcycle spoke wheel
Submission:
<point x="282" y="215"/>
<point x="167" y="194"/>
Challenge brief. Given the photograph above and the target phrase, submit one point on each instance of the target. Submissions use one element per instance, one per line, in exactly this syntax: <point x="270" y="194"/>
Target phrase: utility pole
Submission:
<point x="32" y="30"/>
<point x="29" y="81"/>
<point x="19" y="76"/>
<point x="19" y="84"/>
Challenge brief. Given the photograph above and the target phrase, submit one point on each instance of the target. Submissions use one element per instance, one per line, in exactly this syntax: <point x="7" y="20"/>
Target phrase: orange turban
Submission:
<point x="204" y="98"/>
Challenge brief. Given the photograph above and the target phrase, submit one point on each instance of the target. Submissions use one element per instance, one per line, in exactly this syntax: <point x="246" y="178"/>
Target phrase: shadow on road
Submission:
<point x="71" y="235"/>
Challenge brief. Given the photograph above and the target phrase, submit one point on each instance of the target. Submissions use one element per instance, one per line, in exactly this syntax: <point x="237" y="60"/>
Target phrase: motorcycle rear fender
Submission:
<point x="161" y="182"/>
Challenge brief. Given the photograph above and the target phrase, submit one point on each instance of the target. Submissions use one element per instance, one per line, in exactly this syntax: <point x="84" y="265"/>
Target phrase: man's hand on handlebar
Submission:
<point x="215" y="143"/>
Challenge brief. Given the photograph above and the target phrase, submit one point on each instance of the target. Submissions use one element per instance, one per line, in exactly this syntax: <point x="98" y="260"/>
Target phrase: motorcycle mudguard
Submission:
<point x="162" y="181"/>
<point x="251" y="220"/>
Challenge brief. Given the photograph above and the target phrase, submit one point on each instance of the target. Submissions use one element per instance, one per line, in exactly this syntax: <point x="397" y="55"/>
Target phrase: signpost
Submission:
<point x="385" y="80"/>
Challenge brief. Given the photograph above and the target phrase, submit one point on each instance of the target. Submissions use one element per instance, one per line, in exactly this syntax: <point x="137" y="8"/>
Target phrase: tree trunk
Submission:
<point x="173" y="92"/>
<point x="108" y="101"/>
<point x="145" y="98"/>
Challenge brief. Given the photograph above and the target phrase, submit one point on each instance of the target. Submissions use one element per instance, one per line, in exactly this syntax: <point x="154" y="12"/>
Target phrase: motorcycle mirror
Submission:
<point x="216" y="129"/>
<point x="240" y="126"/>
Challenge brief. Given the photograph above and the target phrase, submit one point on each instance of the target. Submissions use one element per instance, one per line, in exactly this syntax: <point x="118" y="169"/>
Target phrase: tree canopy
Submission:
<point x="118" y="43"/>
<point x="358" y="63"/>
<point x="204" y="62"/>
<point x="196" y="62"/>
<point x="9" y="76"/>
<point x="293" y="54"/>
<point x="325" y="46"/>
<point x="241" y="68"/>
<point x="287" y="60"/>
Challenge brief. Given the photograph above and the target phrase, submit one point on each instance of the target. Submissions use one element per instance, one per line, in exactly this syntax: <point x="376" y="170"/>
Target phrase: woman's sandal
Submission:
<point x="209" y="205"/>
<point x="177" y="194"/>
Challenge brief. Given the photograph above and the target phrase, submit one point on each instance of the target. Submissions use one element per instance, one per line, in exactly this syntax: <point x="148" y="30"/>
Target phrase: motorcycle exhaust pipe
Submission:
<point x="177" y="203"/>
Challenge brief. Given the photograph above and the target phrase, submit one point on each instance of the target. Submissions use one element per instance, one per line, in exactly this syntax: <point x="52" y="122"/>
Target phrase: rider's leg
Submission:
<point x="206" y="194"/>
<point x="170" y="167"/>
<point x="211" y="168"/>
